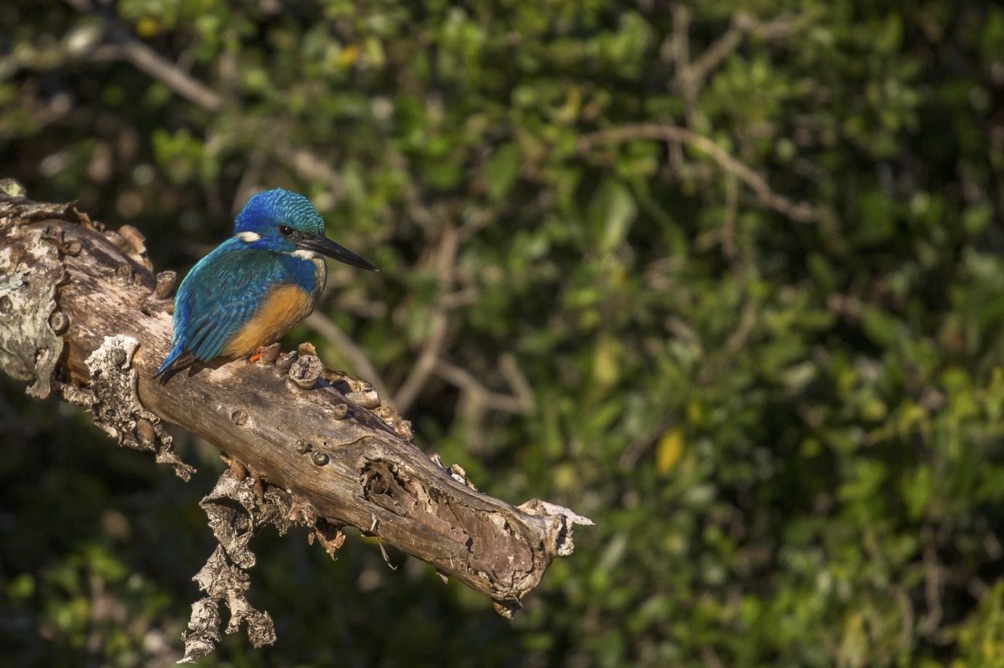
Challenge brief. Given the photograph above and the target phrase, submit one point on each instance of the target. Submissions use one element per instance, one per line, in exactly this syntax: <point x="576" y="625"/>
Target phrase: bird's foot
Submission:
<point x="265" y="354"/>
<point x="256" y="355"/>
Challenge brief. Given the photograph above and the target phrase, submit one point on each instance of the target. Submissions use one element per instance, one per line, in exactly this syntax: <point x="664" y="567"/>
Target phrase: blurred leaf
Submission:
<point x="501" y="170"/>
<point x="668" y="450"/>
<point x="611" y="212"/>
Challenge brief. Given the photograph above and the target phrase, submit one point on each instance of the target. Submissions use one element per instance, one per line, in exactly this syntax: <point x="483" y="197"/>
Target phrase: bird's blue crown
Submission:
<point x="266" y="212"/>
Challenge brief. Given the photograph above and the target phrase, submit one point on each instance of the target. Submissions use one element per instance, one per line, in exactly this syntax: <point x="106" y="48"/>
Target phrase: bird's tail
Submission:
<point x="177" y="360"/>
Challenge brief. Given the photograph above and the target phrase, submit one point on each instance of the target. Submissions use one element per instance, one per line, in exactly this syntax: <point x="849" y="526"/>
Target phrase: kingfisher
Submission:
<point x="255" y="286"/>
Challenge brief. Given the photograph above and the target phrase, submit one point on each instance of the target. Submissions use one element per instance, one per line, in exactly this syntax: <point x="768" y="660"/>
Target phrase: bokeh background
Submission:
<point x="723" y="276"/>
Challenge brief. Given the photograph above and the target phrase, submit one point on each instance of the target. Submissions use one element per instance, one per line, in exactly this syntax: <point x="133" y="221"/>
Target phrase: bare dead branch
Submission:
<point x="81" y="314"/>
<point x="696" y="72"/>
<point x="122" y="46"/>
<point x="798" y="211"/>
<point x="126" y="48"/>
<point x="520" y="403"/>
<point x="445" y="259"/>
<point x="308" y="166"/>
<point x="145" y="59"/>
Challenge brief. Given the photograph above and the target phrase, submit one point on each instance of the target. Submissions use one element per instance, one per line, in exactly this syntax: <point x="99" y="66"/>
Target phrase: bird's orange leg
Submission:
<point x="266" y="354"/>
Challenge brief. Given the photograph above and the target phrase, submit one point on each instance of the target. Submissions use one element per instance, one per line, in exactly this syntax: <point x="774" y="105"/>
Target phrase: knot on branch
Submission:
<point x="306" y="371"/>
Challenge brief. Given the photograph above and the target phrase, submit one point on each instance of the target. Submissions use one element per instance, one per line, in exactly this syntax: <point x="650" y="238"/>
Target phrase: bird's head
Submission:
<point x="286" y="222"/>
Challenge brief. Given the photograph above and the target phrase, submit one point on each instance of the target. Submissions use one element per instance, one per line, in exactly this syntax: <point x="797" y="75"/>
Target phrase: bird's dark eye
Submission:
<point x="286" y="230"/>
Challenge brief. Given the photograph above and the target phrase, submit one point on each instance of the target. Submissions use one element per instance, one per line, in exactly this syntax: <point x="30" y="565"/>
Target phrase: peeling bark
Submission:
<point x="82" y="313"/>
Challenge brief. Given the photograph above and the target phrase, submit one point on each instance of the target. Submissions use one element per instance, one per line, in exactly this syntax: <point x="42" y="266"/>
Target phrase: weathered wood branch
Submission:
<point x="82" y="313"/>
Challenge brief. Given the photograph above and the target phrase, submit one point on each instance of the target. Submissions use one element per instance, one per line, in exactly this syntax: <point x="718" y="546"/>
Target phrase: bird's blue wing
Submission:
<point x="216" y="299"/>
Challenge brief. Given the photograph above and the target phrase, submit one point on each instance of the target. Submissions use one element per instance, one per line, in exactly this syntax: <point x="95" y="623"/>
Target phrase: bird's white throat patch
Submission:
<point x="248" y="237"/>
<point x="304" y="254"/>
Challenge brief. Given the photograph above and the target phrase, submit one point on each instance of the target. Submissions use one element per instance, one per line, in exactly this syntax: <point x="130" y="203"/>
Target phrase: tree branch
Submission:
<point x="82" y="314"/>
<point x="798" y="211"/>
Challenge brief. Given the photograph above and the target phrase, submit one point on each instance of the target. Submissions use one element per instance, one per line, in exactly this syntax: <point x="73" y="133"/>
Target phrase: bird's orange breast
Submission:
<point x="281" y="310"/>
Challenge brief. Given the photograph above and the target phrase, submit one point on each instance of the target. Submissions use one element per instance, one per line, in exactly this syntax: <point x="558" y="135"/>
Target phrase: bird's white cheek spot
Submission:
<point x="248" y="237"/>
<point x="305" y="254"/>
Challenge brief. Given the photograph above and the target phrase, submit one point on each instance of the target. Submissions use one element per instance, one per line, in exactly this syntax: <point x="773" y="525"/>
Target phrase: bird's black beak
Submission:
<point x="325" y="246"/>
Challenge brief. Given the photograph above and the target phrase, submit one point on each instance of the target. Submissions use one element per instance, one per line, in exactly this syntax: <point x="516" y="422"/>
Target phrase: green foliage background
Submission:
<point x="725" y="277"/>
